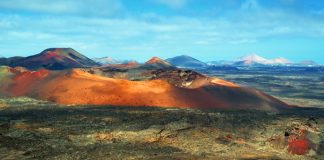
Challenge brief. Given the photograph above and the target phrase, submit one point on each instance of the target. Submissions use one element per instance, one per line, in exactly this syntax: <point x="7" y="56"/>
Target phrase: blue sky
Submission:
<point x="139" y="29"/>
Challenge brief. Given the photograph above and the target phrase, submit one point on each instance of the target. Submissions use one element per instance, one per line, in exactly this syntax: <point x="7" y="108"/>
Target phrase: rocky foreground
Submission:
<point x="31" y="129"/>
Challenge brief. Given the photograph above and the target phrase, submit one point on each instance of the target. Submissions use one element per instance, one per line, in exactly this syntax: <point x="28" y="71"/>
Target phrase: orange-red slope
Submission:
<point x="79" y="87"/>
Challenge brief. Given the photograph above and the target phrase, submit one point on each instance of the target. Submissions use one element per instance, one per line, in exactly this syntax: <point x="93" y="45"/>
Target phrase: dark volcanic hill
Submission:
<point x="186" y="62"/>
<point x="52" y="58"/>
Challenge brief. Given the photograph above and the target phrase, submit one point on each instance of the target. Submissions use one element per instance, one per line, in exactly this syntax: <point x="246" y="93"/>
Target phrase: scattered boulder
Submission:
<point x="299" y="138"/>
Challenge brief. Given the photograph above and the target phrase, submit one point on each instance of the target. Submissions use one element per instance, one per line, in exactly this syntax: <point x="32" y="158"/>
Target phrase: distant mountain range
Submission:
<point x="307" y="63"/>
<point x="254" y="59"/>
<point x="251" y="60"/>
<point x="65" y="58"/>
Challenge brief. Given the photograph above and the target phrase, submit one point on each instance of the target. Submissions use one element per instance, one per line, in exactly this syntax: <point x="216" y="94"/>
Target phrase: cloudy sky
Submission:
<point x="140" y="29"/>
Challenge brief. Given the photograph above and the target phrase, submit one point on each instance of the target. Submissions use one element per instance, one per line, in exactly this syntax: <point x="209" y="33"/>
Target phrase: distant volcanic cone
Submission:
<point x="157" y="63"/>
<point x="53" y="59"/>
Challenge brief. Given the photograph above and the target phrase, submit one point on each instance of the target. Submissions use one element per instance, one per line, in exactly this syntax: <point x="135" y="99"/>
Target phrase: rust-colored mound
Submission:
<point x="157" y="63"/>
<point x="158" y="60"/>
<point x="25" y="81"/>
<point x="80" y="87"/>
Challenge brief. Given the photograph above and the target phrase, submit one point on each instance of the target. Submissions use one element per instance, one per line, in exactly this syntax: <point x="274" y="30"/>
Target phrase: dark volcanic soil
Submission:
<point x="31" y="129"/>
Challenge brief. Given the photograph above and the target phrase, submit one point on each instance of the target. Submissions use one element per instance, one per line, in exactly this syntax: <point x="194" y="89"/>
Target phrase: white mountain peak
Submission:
<point x="106" y="60"/>
<point x="253" y="58"/>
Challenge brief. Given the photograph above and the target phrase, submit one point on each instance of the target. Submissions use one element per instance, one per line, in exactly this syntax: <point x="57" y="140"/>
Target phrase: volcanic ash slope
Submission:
<point x="77" y="86"/>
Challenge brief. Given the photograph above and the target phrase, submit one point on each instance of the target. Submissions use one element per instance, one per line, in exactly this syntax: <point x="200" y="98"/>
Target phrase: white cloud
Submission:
<point x="84" y="7"/>
<point x="149" y="33"/>
<point x="202" y="42"/>
<point x="167" y="31"/>
<point x="176" y="4"/>
<point x="242" y="41"/>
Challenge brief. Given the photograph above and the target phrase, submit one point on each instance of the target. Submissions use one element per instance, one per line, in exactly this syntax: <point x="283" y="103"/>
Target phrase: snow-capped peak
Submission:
<point x="253" y="58"/>
<point x="106" y="60"/>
